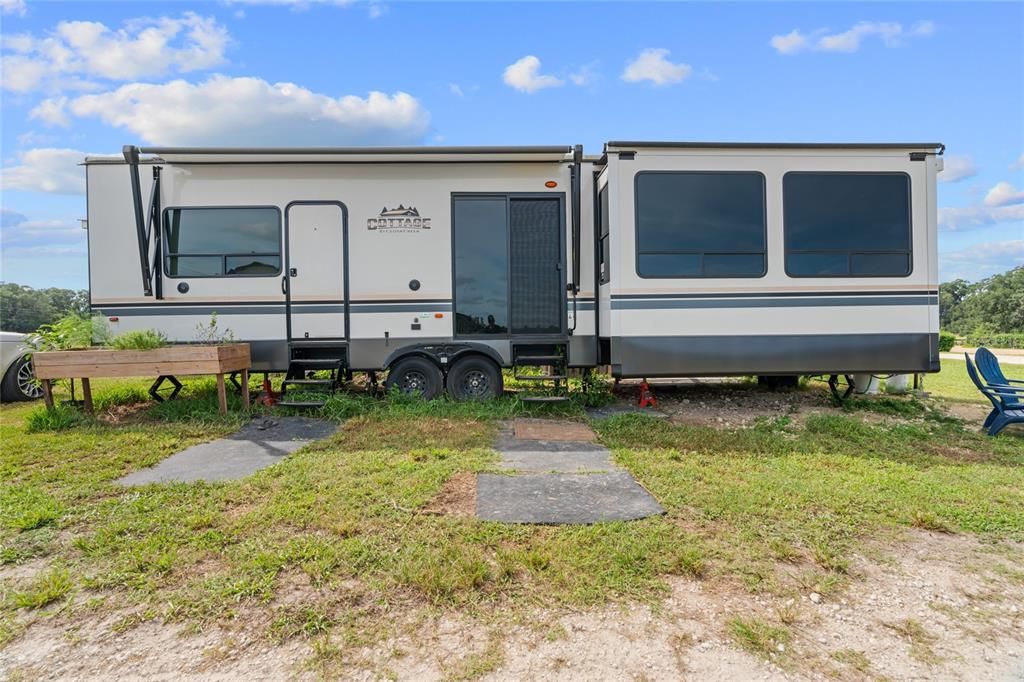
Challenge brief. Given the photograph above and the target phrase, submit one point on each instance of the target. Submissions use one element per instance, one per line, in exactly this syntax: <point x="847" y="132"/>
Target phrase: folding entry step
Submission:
<point x="552" y="384"/>
<point x="314" y="370"/>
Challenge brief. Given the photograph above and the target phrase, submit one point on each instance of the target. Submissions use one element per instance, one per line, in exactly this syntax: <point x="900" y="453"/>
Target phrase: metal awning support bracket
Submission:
<point x="147" y="224"/>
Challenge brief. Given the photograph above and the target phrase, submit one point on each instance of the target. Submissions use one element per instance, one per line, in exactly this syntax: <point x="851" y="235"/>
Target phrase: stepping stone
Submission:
<point x="549" y="429"/>
<point x="258" y="444"/>
<point x="563" y="498"/>
<point x="561" y="461"/>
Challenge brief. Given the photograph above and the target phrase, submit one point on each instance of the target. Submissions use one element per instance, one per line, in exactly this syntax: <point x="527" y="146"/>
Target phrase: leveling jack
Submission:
<point x="647" y="398"/>
<point x="267" y="396"/>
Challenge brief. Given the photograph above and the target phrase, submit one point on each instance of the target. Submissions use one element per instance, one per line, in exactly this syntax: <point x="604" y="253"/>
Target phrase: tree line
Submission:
<point x="994" y="305"/>
<point x="24" y="309"/>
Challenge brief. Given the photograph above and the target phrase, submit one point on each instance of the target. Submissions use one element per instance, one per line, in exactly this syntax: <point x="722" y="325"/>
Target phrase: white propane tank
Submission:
<point x="865" y="383"/>
<point x="897" y="384"/>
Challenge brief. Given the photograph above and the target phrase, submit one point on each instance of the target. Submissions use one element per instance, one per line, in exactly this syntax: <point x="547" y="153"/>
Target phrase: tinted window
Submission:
<point x="480" y="231"/>
<point x="218" y="242"/>
<point x="700" y="224"/>
<point x="847" y="224"/>
<point x="603" y="251"/>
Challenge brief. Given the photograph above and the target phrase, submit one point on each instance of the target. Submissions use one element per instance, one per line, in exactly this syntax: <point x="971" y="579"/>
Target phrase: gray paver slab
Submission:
<point x="558" y="461"/>
<point x="258" y="444"/>
<point x="508" y="443"/>
<point x="563" y="498"/>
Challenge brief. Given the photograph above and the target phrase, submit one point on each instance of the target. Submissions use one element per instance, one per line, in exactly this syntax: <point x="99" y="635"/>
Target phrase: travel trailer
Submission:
<point x="443" y="265"/>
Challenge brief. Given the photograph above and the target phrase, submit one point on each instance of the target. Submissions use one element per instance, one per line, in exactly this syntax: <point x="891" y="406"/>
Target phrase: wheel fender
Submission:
<point x="443" y="355"/>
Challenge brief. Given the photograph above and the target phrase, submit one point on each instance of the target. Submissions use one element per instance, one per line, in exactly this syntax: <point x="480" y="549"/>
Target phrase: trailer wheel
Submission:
<point x="416" y="376"/>
<point x="475" y="378"/>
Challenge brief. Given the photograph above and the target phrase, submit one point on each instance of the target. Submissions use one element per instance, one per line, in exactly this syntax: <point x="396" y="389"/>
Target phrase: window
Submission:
<point x="604" y="260"/>
<point x="847" y="224"/>
<point x="700" y="224"/>
<point x="480" y="231"/>
<point x="222" y="242"/>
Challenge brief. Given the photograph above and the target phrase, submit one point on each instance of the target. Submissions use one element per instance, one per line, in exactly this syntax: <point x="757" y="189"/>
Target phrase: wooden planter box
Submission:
<point x="171" y="361"/>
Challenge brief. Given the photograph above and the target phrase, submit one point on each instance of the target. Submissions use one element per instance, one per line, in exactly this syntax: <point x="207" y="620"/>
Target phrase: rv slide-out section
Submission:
<point x="762" y="259"/>
<point x="655" y="259"/>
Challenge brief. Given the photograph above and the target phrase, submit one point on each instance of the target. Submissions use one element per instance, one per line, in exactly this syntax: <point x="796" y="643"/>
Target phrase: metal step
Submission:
<point x="300" y="403"/>
<point x="537" y="359"/>
<point x="316" y="362"/>
<point x="308" y="382"/>
<point x="540" y="377"/>
<point x="544" y="398"/>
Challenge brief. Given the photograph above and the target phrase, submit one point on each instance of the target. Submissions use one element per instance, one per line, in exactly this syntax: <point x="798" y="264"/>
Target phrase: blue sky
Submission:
<point x="81" y="77"/>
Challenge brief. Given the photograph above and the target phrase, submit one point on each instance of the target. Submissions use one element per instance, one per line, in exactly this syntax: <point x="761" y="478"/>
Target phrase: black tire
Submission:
<point x="19" y="382"/>
<point x="416" y="375"/>
<point x="475" y="378"/>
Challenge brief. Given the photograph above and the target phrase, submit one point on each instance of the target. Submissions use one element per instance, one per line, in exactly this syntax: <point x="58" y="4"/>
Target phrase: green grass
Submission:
<point x="758" y="637"/>
<point x="331" y="543"/>
<point x="952" y="383"/>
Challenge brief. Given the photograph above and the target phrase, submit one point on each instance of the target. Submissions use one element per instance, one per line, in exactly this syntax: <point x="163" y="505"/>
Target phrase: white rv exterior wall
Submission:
<point x="381" y="263"/>
<point x="754" y="322"/>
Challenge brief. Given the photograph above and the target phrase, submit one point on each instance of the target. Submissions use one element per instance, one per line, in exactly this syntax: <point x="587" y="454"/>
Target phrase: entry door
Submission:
<point x="509" y="274"/>
<point x="315" y="275"/>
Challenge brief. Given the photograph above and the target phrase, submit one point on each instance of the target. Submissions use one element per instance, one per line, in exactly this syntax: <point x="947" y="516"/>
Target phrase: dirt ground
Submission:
<point x="928" y="606"/>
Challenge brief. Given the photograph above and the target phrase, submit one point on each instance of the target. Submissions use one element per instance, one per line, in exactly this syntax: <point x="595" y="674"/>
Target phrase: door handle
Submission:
<point x="284" y="285"/>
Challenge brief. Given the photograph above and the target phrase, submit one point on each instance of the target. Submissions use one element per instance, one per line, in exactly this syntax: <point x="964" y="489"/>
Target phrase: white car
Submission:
<point x="18" y="381"/>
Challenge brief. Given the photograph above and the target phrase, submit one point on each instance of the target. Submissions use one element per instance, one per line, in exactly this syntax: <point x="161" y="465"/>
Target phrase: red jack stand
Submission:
<point x="267" y="398"/>
<point x="647" y="398"/>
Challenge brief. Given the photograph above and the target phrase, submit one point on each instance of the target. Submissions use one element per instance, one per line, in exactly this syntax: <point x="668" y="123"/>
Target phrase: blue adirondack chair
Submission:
<point x="991" y="372"/>
<point x="1007" y="407"/>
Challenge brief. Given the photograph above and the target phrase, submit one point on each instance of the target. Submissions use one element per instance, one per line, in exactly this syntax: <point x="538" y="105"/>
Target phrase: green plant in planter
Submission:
<point x="70" y="332"/>
<point x="209" y="333"/>
<point x="138" y="339"/>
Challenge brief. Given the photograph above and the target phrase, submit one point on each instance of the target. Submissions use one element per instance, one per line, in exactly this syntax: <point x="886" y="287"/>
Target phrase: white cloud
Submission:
<point x="49" y="170"/>
<point x="973" y="217"/>
<point x="13" y="7"/>
<point x="956" y="168"/>
<point x="51" y="111"/>
<point x="375" y="10"/>
<point x="981" y="260"/>
<point x="1018" y="164"/>
<point x="251" y="111"/>
<point x="77" y="51"/>
<point x="21" y="237"/>
<point x="456" y="89"/>
<point x="791" y="43"/>
<point x="891" y="33"/>
<point x="585" y="75"/>
<point x="524" y="75"/>
<point x="652" y="65"/>
<point x="1004" y="194"/>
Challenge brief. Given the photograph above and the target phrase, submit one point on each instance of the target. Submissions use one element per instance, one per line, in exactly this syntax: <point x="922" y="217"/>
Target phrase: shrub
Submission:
<point x="69" y="333"/>
<point x="210" y="334"/>
<point x="138" y="339"/>
<point x="996" y="340"/>
<point x="946" y="341"/>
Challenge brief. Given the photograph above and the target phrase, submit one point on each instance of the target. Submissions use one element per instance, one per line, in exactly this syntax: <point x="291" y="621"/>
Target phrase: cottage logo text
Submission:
<point x="401" y="219"/>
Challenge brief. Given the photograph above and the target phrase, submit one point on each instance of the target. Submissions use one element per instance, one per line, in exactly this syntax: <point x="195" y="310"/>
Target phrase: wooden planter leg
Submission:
<point x="245" y="388"/>
<point x="87" y="395"/>
<point x="47" y="394"/>
<point x="222" y="395"/>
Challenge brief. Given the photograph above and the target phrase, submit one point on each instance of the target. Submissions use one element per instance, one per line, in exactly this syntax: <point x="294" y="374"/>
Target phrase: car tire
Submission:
<point x="475" y="378"/>
<point x="416" y="376"/>
<point x="19" y="383"/>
